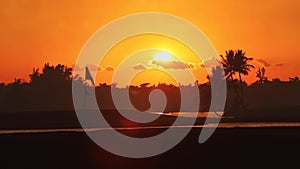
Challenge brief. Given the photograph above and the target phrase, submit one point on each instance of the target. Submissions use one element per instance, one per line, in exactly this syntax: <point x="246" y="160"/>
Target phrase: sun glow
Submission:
<point x="163" y="56"/>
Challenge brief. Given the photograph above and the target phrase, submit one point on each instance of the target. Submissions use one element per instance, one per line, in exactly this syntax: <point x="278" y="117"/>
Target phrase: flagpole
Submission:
<point x="85" y="97"/>
<point x="85" y="88"/>
<point x="88" y="76"/>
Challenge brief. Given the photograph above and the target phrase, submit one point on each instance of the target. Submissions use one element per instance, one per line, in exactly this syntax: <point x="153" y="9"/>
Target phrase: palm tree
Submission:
<point x="236" y="62"/>
<point x="228" y="66"/>
<point x="228" y="63"/>
<point x="242" y="67"/>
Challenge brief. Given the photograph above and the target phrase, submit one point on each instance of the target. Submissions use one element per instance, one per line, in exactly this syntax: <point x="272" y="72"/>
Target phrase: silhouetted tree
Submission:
<point x="50" y="88"/>
<point x="261" y="75"/>
<point x="51" y="75"/>
<point x="34" y="77"/>
<point x="294" y="79"/>
<point x="276" y="80"/>
<point x="144" y="85"/>
<point x="236" y="62"/>
<point x="228" y="64"/>
<point x="59" y="72"/>
<point x="217" y="74"/>
<point x="241" y="66"/>
<point x="17" y="82"/>
<point x="51" y="85"/>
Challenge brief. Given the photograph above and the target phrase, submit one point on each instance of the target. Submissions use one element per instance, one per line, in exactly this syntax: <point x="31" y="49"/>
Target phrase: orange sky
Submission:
<point x="34" y="32"/>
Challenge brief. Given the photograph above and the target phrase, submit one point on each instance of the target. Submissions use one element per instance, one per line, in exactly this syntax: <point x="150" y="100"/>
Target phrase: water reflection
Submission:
<point x="220" y="125"/>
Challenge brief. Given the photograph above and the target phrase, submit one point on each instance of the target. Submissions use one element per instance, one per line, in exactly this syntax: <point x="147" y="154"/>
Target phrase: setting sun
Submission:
<point x="163" y="56"/>
<point x="149" y="84"/>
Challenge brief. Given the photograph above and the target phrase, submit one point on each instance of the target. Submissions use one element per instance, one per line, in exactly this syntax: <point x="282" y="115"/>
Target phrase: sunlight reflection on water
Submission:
<point x="221" y="125"/>
<point x="192" y="114"/>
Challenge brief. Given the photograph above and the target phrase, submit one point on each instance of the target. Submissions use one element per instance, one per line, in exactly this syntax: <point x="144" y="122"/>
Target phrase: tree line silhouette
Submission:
<point x="51" y="89"/>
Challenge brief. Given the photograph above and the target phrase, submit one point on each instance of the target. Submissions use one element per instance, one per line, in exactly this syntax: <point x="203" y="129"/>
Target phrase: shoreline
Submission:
<point x="68" y="119"/>
<point x="234" y="125"/>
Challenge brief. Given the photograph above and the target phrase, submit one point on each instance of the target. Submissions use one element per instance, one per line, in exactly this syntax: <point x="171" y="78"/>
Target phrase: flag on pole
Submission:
<point x="88" y="75"/>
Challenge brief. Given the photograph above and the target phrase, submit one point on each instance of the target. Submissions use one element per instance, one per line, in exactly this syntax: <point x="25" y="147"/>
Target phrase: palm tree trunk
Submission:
<point x="242" y="92"/>
<point x="235" y="89"/>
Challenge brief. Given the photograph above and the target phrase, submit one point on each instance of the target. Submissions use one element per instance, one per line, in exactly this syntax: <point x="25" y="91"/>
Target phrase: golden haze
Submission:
<point x="35" y="32"/>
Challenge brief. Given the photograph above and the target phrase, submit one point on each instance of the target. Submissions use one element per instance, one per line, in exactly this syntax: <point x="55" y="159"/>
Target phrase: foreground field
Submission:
<point x="227" y="148"/>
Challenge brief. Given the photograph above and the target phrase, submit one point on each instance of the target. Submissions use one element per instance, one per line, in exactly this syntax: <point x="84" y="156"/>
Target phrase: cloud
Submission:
<point x="109" y="68"/>
<point x="171" y="64"/>
<point x="209" y="63"/>
<point x="139" y="67"/>
<point x="192" y="65"/>
<point x="263" y="62"/>
<point x="279" y="64"/>
<point x="91" y="67"/>
<point x="168" y="65"/>
<point x="201" y="65"/>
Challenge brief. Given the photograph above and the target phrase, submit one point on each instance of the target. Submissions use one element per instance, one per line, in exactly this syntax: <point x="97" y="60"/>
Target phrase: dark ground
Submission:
<point x="227" y="148"/>
<point x="272" y="147"/>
